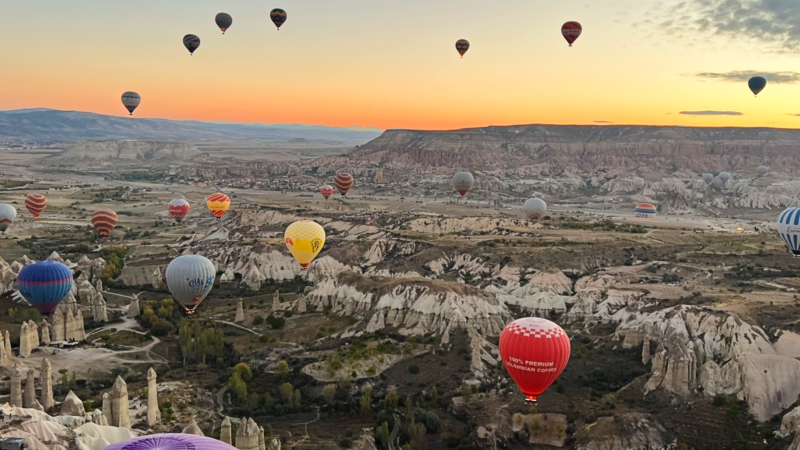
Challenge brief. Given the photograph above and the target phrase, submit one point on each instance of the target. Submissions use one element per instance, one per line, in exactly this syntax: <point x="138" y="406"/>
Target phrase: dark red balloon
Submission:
<point x="326" y="191"/>
<point x="535" y="351"/>
<point x="571" y="31"/>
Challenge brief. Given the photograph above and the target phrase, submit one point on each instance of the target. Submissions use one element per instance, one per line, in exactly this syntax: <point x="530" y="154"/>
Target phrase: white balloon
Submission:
<point x="190" y="279"/>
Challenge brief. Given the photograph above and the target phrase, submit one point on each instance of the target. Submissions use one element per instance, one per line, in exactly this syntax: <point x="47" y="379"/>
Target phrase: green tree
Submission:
<point x="382" y="433"/>
<point x="434" y="395"/>
<point x="287" y="391"/>
<point x="329" y="392"/>
<point x="418" y="440"/>
<point x="283" y="368"/>
<point x="244" y="371"/>
<point x="295" y="400"/>
<point x="366" y="401"/>
<point x="238" y="386"/>
<point x="391" y="400"/>
<point x="64" y="376"/>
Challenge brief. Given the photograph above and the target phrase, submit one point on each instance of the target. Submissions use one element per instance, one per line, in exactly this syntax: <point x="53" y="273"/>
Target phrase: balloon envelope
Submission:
<point x="762" y="170"/>
<point x="190" y="279"/>
<point x="343" y="182"/>
<point x="224" y="21"/>
<point x="462" y="45"/>
<point x="789" y="229"/>
<point x="305" y="240"/>
<point x="645" y="210"/>
<point x="191" y="42"/>
<point x="8" y="214"/>
<point x="724" y="176"/>
<point x="535" y="208"/>
<point x="44" y="284"/>
<point x="638" y="183"/>
<point x="178" y="208"/>
<point x="36" y="204"/>
<point x="131" y="101"/>
<point x="170" y="442"/>
<point x="104" y="221"/>
<point x="278" y="17"/>
<point x="218" y="204"/>
<point x="708" y="178"/>
<point x="571" y="31"/>
<point x="463" y="182"/>
<point x="534" y="351"/>
<point x="757" y="84"/>
<point x="326" y="191"/>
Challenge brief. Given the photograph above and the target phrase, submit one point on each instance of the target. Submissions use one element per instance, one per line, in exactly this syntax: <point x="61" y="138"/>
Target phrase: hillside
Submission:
<point x="65" y="126"/>
<point x="582" y="148"/>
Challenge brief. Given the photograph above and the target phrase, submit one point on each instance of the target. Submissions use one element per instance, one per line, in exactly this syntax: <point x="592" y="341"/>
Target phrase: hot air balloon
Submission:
<point x="638" y="183"/>
<point x="178" y="208"/>
<point x="224" y="21"/>
<point x="535" y="208"/>
<point x="170" y="442"/>
<point x="305" y="240"/>
<point x="645" y="210"/>
<point x="462" y="45"/>
<point x="278" y="17"/>
<point x="724" y="176"/>
<point x="789" y="229"/>
<point x="708" y="178"/>
<point x="8" y="214"/>
<point x="757" y="84"/>
<point x="104" y="221"/>
<point x="463" y="182"/>
<point x="762" y="170"/>
<point x="218" y="204"/>
<point x="191" y="42"/>
<point x="131" y="101"/>
<point x="571" y="31"/>
<point x="343" y="182"/>
<point x="190" y="279"/>
<point x="534" y="351"/>
<point x="44" y="284"/>
<point x="326" y="191"/>
<point x="36" y="204"/>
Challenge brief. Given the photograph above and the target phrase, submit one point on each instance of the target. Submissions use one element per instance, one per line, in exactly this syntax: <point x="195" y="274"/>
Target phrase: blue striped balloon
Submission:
<point x="789" y="228"/>
<point x="44" y="284"/>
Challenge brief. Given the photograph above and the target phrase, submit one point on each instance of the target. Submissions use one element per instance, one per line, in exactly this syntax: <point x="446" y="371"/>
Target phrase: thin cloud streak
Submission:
<point x="742" y="76"/>
<point x="711" y="113"/>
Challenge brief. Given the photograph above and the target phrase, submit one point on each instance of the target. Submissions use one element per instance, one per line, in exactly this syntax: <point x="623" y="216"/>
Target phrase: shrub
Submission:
<point x="414" y="370"/>
<point x="258" y="320"/>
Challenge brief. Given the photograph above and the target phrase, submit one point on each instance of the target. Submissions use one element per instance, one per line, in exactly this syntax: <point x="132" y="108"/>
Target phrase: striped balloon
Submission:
<point x="178" y="209"/>
<point x="8" y="214"/>
<point x="104" y="221"/>
<point x="571" y="31"/>
<point x="462" y="45"/>
<point x="278" y="17"/>
<point x="343" y="182"/>
<point x="645" y="210"/>
<point x="44" y="284"/>
<point x="170" y="442"/>
<point x="789" y="229"/>
<point x="36" y="203"/>
<point x="191" y="42"/>
<point x="218" y="204"/>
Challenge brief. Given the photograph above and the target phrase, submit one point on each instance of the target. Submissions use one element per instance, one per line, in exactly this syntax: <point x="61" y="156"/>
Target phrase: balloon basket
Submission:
<point x="531" y="401"/>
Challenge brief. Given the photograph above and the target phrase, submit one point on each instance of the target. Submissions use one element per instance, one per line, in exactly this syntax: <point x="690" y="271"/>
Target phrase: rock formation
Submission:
<point x="5" y="358"/>
<point x="261" y="444"/>
<point x="133" y="310"/>
<point x="629" y="431"/>
<point x="276" y="302"/>
<point x="97" y="267"/>
<point x="46" y="376"/>
<point x="7" y="342"/>
<point x="72" y="406"/>
<point x="225" y="432"/>
<point x="119" y="404"/>
<point x="28" y="338"/>
<point x="156" y="278"/>
<point x="67" y="321"/>
<point x="192" y="428"/>
<point x="16" y="386"/>
<point x="55" y="257"/>
<point x="153" y="413"/>
<point x="45" y="333"/>
<point x="29" y="397"/>
<point x="302" y="306"/>
<point x="239" y="312"/>
<point x="247" y="435"/>
<point x="99" y="313"/>
<point x="107" y="407"/>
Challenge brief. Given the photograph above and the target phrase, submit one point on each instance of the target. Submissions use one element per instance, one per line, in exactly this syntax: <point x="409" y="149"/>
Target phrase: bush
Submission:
<point x="258" y="320"/>
<point x="414" y="370"/>
<point x="277" y="323"/>
<point x="432" y="423"/>
<point x="346" y="443"/>
<point x="161" y="327"/>
<point x="719" y="401"/>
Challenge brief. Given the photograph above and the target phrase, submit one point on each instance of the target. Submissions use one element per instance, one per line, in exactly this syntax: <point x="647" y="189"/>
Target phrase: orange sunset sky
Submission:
<point x="392" y="64"/>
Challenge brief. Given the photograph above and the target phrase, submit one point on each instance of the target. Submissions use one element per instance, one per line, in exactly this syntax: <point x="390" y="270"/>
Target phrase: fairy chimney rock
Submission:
<point x="153" y="413"/>
<point x="29" y="398"/>
<point x="46" y="375"/>
<point x="239" y="312"/>
<point x="225" y="432"/>
<point x="133" y="310"/>
<point x="119" y="404"/>
<point x="72" y="406"/>
<point x="16" y="386"/>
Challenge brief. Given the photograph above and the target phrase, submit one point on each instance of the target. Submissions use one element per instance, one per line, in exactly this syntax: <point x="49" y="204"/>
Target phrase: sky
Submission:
<point x="393" y="64"/>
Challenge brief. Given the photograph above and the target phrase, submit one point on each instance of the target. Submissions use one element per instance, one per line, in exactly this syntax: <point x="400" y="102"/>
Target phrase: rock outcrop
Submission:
<point x="239" y="312"/>
<point x="133" y="309"/>
<point x="225" y="432"/>
<point x="46" y="375"/>
<point x="28" y="338"/>
<point x="192" y="428"/>
<point x="16" y="386"/>
<point x="247" y="435"/>
<point x="153" y="413"/>
<point x="72" y="406"/>
<point x="119" y="404"/>
<point x="625" y="431"/>
<point x="29" y="397"/>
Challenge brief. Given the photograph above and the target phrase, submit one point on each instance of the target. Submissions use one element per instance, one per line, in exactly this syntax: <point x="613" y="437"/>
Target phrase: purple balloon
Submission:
<point x="170" y="442"/>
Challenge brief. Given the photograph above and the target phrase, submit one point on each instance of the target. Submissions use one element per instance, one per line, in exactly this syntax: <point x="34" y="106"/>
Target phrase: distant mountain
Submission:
<point x="577" y="148"/>
<point x="41" y="124"/>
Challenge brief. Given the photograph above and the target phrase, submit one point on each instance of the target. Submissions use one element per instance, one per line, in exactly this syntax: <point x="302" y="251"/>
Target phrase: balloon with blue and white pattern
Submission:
<point x="789" y="229"/>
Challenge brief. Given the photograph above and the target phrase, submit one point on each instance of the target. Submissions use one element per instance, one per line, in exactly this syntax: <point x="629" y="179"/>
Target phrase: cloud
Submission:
<point x="711" y="113"/>
<point x="602" y="121"/>
<point x="775" y="23"/>
<point x="742" y="76"/>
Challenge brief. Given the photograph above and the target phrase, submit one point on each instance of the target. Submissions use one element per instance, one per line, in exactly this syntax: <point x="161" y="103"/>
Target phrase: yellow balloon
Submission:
<point x="218" y="204"/>
<point x="304" y="239"/>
